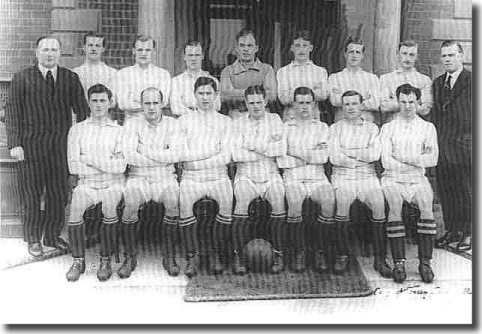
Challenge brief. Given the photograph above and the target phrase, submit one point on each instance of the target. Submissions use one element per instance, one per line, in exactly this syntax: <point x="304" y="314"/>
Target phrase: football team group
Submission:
<point x="180" y="137"/>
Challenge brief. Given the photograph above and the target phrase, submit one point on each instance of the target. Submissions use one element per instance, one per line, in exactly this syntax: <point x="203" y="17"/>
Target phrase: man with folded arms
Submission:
<point x="409" y="145"/>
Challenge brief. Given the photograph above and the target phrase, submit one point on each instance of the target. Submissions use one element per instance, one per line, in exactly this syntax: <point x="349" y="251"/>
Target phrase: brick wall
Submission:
<point x="429" y="22"/>
<point x="22" y="22"/>
<point x="119" y="25"/>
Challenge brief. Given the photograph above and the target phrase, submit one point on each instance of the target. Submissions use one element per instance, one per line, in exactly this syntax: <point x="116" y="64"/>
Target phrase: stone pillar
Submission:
<point x="156" y="19"/>
<point x="387" y="35"/>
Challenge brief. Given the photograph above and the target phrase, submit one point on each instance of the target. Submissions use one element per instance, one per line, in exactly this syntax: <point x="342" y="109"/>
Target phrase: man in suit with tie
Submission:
<point x="452" y="115"/>
<point x="38" y="118"/>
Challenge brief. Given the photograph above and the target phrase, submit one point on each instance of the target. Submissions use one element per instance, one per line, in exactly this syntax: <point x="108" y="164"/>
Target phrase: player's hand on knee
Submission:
<point x="17" y="153"/>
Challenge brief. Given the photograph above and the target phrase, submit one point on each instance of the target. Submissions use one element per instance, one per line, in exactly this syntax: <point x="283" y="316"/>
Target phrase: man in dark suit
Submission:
<point x="452" y="115"/>
<point x="38" y="118"/>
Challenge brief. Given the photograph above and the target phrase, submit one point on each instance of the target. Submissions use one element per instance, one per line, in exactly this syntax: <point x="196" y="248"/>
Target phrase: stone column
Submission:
<point x="156" y="19"/>
<point x="387" y="35"/>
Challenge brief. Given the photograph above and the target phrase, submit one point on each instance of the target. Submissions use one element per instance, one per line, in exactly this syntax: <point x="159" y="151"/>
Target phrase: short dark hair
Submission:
<point x="151" y="89"/>
<point x="94" y="34"/>
<point x="205" y="81"/>
<point x="354" y="40"/>
<point x="303" y="34"/>
<point x="255" y="90"/>
<point x="144" y="38"/>
<point x="193" y="43"/>
<point x="303" y="91"/>
<point x="352" y="93"/>
<point x="99" y="89"/>
<point x="450" y="43"/>
<point x="409" y="43"/>
<point x="246" y="32"/>
<point x="407" y="89"/>
<point x="41" y="38"/>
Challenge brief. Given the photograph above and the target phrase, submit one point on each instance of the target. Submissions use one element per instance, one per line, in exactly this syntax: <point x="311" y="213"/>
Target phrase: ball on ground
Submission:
<point x="258" y="255"/>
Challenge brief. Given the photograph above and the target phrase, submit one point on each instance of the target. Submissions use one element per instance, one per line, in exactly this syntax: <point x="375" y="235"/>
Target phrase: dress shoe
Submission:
<point x="446" y="239"/>
<point x="35" y="249"/>
<point x="381" y="265"/>
<point x="58" y="243"/>
<point x="464" y="244"/>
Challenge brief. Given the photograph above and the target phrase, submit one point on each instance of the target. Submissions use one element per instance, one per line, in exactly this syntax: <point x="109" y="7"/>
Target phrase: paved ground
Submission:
<point x="151" y="296"/>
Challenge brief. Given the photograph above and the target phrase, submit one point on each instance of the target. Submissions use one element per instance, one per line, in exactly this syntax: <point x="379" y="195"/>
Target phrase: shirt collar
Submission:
<point x="454" y="76"/>
<point x="400" y="70"/>
<point x="239" y="68"/>
<point x="44" y="71"/>
<point x="197" y="75"/>
<point x="308" y="63"/>
<point x="346" y="70"/>
<point x="139" y="68"/>
<point x="107" y="122"/>
<point x="99" y="64"/>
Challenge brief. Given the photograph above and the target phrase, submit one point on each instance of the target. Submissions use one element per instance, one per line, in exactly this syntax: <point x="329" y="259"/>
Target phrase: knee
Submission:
<point x="343" y="200"/>
<point x="327" y="200"/>
<point x="393" y="197"/>
<point x="295" y="206"/>
<point x="171" y="207"/>
<point x="109" y="208"/>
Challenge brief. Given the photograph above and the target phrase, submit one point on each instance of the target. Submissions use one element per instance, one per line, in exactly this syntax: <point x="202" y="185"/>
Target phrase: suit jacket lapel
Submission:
<point x="460" y="84"/>
<point x="35" y="80"/>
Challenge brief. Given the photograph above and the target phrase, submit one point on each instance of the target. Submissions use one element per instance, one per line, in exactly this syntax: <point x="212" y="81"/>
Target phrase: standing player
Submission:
<point x="304" y="177"/>
<point x="409" y="145"/>
<point x="246" y="71"/>
<point x="354" y="147"/>
<point x="353" y="77"/>
<point x="94" y="70"/>
<point x="132" y="80"/>
<point x="94" y="154"/>
<point x="301" y="72"/>
<point x="183" y="100"/>
<point x="260" y="139"/>
<point x="151" y="147"/>
<point x="406" y="73"/>
<point x="207" y="151"/>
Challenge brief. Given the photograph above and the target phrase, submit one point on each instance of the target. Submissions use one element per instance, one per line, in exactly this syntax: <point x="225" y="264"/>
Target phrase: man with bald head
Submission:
<point x="38" y="118"/>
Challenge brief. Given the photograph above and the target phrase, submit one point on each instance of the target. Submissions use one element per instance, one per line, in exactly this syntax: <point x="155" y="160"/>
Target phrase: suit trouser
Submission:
<point x="454" y="183"/>
<point x="48" y="173"/>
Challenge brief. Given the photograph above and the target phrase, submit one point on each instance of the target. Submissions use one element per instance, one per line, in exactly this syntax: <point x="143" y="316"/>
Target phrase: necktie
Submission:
<point x="448" y="83"/>
<point x="50" y="81"/>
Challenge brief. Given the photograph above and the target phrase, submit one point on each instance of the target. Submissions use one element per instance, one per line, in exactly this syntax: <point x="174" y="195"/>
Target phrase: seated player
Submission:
<point x="94" y="154"/>
<point x="206" y="151"/>
<point x="304" y="177"/>
<point x="354" y="147"/>
<point x="151" y="148"/>
<point x="409" y="145"/>
<point x="259" y="140"/>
